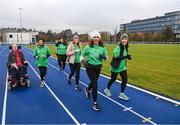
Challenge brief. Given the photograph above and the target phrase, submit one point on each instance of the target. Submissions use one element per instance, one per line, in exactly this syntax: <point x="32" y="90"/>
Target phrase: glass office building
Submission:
<point x="155" y="24"/>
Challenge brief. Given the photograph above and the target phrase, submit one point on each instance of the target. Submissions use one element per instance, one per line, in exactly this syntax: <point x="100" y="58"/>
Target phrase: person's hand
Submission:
<point x="102" y="57"/>
<point x="129" y="57"/>
<point x="85" y="63"/>
<point x="77" y="50"/>
<point x="44" y="56"/>
<point x="14" y="65"/>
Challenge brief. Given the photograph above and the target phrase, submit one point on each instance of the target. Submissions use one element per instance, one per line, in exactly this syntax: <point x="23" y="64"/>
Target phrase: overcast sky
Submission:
<point x="80" y="15"/>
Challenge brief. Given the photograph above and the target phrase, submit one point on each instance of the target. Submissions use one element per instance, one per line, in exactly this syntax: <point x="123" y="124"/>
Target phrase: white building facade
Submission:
<point x="13" y="36"/>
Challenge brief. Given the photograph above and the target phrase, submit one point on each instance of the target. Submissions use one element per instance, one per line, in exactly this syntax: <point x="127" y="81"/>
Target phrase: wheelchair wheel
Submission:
<point x="9" y="86"/>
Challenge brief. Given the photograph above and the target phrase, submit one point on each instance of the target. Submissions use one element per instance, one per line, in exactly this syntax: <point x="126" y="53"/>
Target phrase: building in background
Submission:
<point x="156" y="24"/>
<point x="14" y="35"/>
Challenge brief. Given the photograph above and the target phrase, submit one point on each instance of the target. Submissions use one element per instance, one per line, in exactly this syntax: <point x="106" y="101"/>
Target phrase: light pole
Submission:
<point x="20" y="20"/>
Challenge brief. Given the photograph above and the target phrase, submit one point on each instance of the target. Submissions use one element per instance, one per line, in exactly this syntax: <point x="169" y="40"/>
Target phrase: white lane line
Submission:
<point x="5" y="102"/>
<point x="64" y="107"/>
<point x="146" y="120"/>
<point x="134" y="87"/>
<point x="2" y="50"/>
<point x="129" y="109"/>
<point x="145" y="91"/>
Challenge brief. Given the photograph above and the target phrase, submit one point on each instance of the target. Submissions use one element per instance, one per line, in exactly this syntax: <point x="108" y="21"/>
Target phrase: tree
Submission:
<point x="42" y="35"/>
<point x="167" y="34"/>
<point x="50" y="36"/>
<point x="140" y="36"/>
<point x="115" y="34"/>
<point x="156" y="37"/>
<point x="105" y="36"/>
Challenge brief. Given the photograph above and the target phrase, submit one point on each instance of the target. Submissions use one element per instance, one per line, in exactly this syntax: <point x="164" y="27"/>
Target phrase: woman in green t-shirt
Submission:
<point x="94" y="54"/>
<point x="41" y="54"/>
<point x="118" y="66"/>
<point x="73" y="53"/>
<point x="61" y="47"/>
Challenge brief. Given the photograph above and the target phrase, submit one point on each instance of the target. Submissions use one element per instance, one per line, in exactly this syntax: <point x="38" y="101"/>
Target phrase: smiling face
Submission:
<point x="96" y="40"/>
<point x="61" y="40"/>
<point x="14" y="47"/>
<point x="76" y="40"/>
<point x="124" y="41"/>
<point x="41" y="42"/>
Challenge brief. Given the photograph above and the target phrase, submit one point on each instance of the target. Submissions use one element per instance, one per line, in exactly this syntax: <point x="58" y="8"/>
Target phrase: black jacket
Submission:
<point x="12" y="58"/>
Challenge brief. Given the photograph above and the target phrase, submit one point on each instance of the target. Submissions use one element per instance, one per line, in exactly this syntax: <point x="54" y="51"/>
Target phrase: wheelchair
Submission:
<point x="16" y="79"/>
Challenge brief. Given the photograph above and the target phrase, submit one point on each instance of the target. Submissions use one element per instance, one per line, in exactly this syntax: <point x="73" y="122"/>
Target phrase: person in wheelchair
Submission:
<point x="17" y="67"/>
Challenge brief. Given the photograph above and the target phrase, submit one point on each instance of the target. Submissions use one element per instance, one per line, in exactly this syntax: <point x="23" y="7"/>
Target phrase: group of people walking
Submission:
<point x="92" y="57"/>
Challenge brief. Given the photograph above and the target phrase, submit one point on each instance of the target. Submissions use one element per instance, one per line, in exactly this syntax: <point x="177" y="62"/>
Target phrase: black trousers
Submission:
<point x="62" y="61"/>
<point x="16" y="74"/>
<point x="123" y="75"/>
<point x="93" y="74"/>
<point x="75" y="68"/>
<point x="43" y="71"/>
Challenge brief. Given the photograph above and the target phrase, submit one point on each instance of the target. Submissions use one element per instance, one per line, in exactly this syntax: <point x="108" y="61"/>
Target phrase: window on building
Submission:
<point x="10" y="36"/>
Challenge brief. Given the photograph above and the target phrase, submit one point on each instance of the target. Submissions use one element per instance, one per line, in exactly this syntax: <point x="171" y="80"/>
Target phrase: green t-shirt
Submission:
<point x="77" y="54"/>
<point x="92" y="54"/>
<point x="61" y="49"/>
<point x="42" y="52"/>
<point x="122" y="64"/>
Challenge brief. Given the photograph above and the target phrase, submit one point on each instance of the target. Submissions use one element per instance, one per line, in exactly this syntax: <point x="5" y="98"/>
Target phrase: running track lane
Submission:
<point x="83" y="112"/>
<point x="3" y="56"/>
<point x="159" y="110"/>
<point x="31" y="105"/>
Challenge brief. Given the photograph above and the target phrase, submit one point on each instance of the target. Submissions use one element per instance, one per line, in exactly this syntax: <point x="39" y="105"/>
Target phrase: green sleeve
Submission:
<point x="85" y="50"/>
<point x="48" y="51"/>
<point x="35" y="52"/>
<point x="116" y="51"/>
<point x="105" y="52"/>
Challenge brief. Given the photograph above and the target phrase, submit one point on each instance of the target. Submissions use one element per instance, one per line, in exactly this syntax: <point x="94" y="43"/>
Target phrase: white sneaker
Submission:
<point x="123" y="96"/>
<point x="107" y="92"/>
<point x="42" y="84"/>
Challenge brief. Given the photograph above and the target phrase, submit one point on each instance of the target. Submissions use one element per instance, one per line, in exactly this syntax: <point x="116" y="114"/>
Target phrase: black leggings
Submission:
<point x="123" y="75"/>
<point x="43" y="71"/>
<point x="93" y="74"/>
<point x="62" y="61"/>
<point x="75" y="68"/>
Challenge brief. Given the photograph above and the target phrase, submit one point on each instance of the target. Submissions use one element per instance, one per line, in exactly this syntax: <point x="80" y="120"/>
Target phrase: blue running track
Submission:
<point x="59" y="103"/>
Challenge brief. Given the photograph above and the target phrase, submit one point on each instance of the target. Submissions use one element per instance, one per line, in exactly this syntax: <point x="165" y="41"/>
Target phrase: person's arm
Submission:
<point x="35" y="55"/>
<point x="24" y="61"/>
<point x="9" y="60"/>
<point x="83" y="57"/>
<point x="70" y="51"/>
<point x="22" y="56"/>
<point x="104" y="56"/>
<point x="48" y="52"/>
<point x="85" y="51"/>
<point x="117" y="55"/>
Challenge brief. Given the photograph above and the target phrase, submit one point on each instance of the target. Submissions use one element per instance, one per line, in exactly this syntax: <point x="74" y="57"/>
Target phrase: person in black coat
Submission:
<point x="17" y="65"/>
